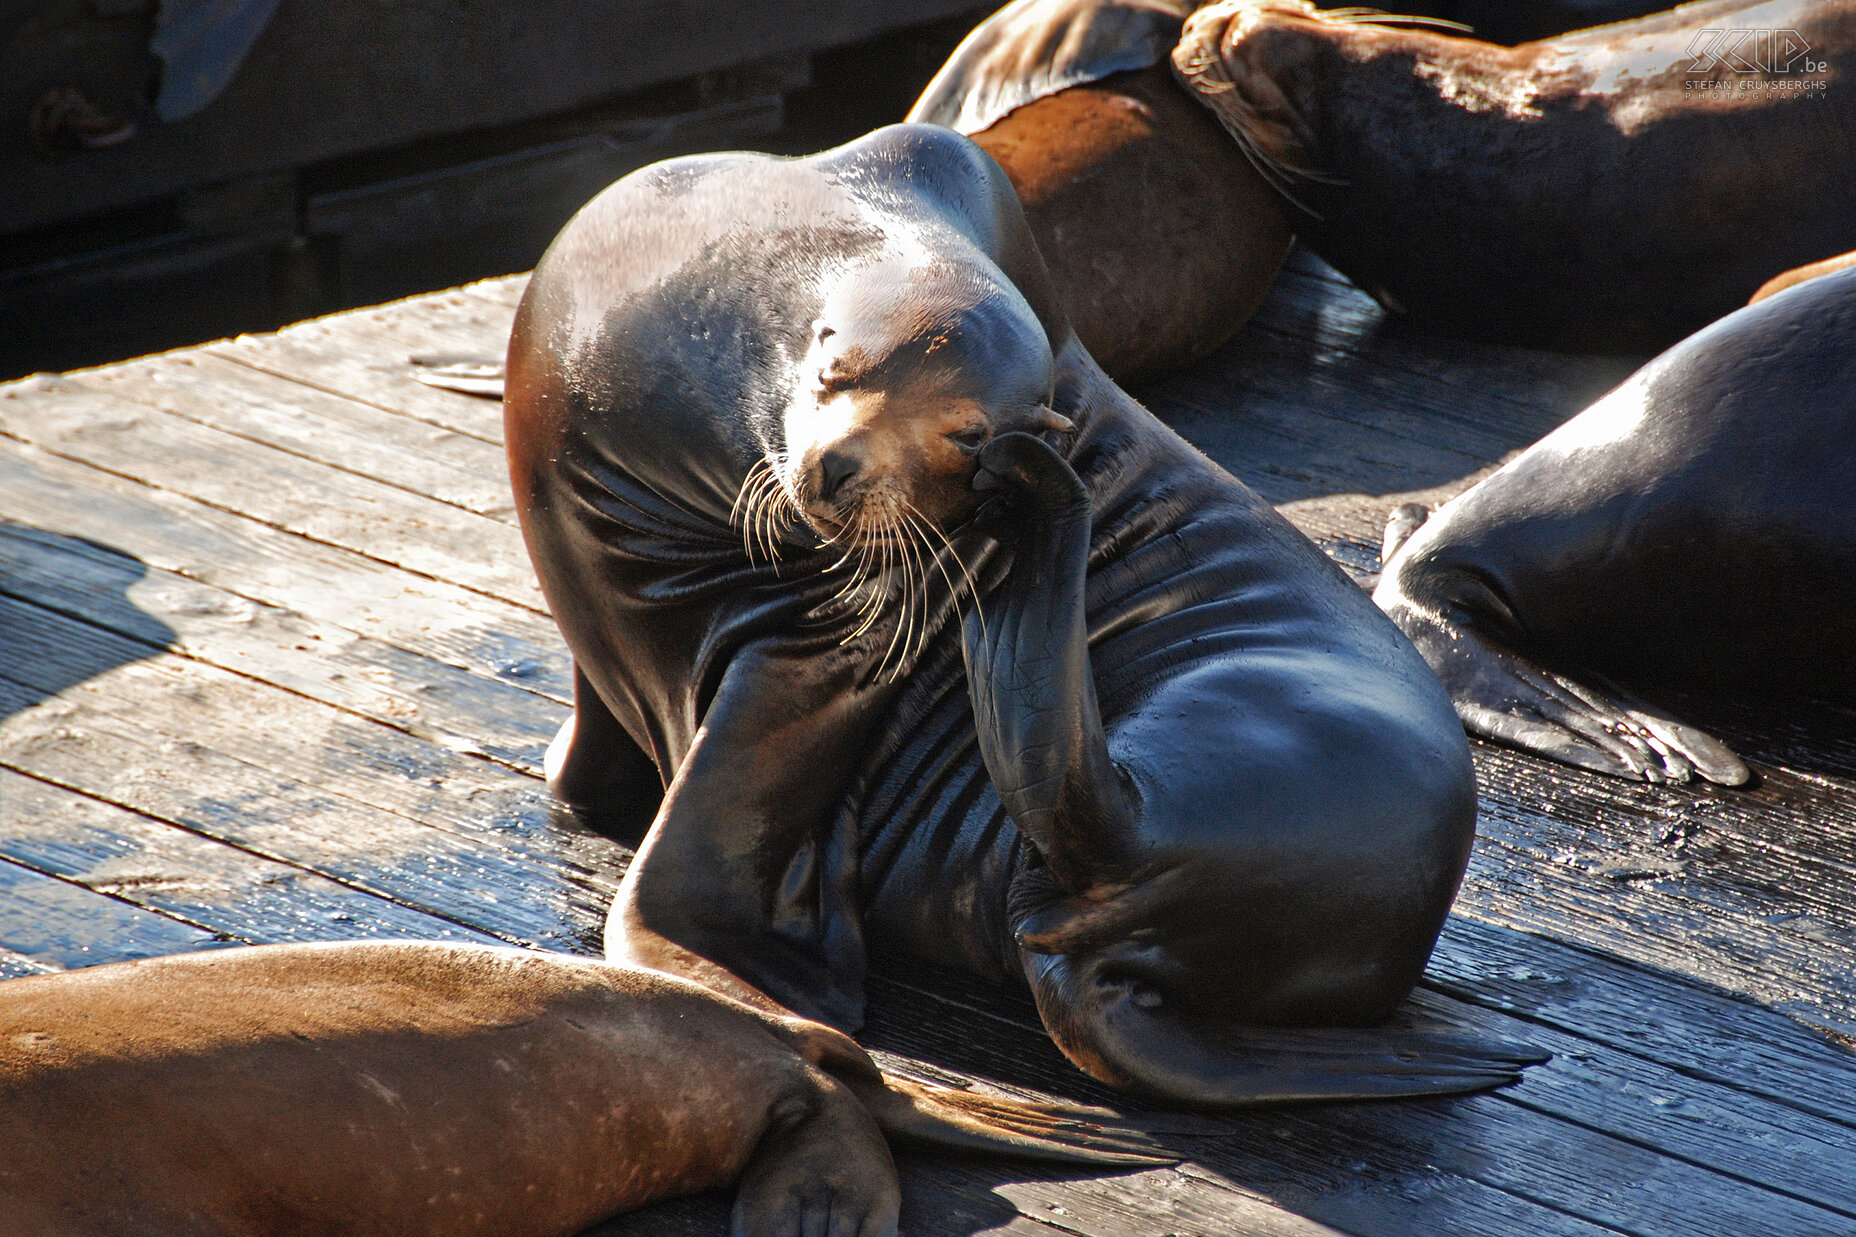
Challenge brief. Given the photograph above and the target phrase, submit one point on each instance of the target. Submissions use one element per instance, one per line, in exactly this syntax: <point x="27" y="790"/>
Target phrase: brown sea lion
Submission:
<point x="410" y="1088"/>
<point x="773" y="426"/>
<point x="1609" y="190"/>
<point x="1695" y="529"/>
<point x="1159" y="236"/>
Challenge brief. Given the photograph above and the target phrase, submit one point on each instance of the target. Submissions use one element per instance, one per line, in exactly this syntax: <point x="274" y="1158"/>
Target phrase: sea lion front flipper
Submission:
<point x="1035" y="48"/>
<point x="1035" y="712"/>
<point x="746" y="882"/>
<point x="822" y="1168"/>
<point x="1501" y="695"/>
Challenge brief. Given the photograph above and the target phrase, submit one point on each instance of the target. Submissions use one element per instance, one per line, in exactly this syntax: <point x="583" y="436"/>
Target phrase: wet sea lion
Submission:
<point x="1695" y="529"/>
<point x="1609" y="190"/>
<point x="931" y="631"/>
<point x="1159" y="236"/>
<point x="410" y="1088"/>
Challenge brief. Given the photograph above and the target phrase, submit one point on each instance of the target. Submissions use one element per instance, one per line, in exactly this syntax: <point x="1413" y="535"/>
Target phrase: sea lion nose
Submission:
<point x="836" y="469"/>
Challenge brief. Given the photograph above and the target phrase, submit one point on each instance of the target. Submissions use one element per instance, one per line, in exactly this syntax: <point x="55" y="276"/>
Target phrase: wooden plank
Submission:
<point x="286" y="491"/>
<point x="512" y="893"/>
<point x="1304" y="1160"/>
<point x="55" y="925"/>
<point x="202" y="707"/>
<point x="1335" y="1162"/>
<point x="454" y="468"/>
<point x="1779" y="971"/>
<point x="504" y="290"/>
<point x="234" y="893"/>
<point x="1694" y="847"/>
<point x="1693" y="1031"/>
<point x="363" y="356"/>
<point x="260" y="563"/>
<point x="458" y="709"/>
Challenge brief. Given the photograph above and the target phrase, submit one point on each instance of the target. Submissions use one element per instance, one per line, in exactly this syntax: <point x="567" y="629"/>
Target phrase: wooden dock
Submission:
<point x="273" y="667"/>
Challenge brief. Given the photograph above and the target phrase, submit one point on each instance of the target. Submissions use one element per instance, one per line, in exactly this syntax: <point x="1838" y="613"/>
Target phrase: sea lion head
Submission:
<point x="913" y="367"/>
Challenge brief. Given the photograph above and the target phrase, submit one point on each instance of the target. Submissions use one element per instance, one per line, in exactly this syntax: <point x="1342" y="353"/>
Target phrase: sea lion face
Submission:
<point x="912" y="368"/>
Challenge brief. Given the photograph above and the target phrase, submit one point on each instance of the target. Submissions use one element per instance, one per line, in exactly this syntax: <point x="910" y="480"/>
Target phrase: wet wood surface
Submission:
<point x="273" y="667"/>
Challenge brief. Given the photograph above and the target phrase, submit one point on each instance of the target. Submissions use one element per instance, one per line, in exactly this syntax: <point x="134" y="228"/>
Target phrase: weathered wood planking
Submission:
<point x="273" y="668"/>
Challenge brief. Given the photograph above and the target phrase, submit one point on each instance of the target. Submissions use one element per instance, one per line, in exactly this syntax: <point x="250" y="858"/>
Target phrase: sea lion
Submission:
<point x="411" y="1088"/>
<point x="1693" y="529"/>
<point x="1610" y="190"/>
<point x="1159" y="236"/>
<point x="1171" y="768"/>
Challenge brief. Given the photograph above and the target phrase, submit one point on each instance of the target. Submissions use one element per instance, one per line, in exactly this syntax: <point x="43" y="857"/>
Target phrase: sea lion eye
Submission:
<point x="970" y="439"/>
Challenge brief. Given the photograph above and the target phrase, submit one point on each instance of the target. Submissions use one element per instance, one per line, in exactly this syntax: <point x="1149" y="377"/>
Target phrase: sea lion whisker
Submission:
<point x="743" y="510"/>
<point x="923" y="550"/>
<point x="911" y="628"/>
<point x="973" y="589"/>
<point x="913" y="595"/>
<point x="877" y="581"/>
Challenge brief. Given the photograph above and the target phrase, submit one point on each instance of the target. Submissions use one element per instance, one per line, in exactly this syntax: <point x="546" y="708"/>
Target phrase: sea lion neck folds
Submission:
<point x="1083" y="670"/>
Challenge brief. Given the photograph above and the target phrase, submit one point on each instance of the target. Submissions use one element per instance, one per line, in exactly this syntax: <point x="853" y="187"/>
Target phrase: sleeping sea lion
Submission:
<point x="1609" y="190"/>
<point x="1694" y="529"/>
<point x="412" y="1088"/>
<point x="925" y="631"/>
<point x="1159" y="237"/>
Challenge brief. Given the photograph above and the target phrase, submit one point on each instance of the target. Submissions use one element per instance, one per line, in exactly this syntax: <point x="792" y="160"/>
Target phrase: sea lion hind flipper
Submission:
<point x="914" y="1114"/>
<point x="1035" y="712"/>
<point x="1290" y="1065"/>
<point x="1571" y="721"/>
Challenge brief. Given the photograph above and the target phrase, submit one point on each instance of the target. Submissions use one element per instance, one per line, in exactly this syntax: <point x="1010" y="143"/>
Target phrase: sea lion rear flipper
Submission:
<point x="911" y="1113"/>
<point x="1035" y="48"/>
<point x="1277" y="1066"/>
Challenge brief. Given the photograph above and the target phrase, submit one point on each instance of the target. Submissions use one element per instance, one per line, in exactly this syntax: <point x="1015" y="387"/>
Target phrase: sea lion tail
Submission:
<point x="916" y="1114"/>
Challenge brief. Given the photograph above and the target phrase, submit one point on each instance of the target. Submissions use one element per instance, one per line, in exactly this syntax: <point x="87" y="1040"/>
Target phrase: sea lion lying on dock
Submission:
<point x="773" y="424"/>
<point x="1159" y="236"/>
<point x="1694" y="529"/>
<point x="1609" y="190"/>
<point x="409" y="1088"/>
